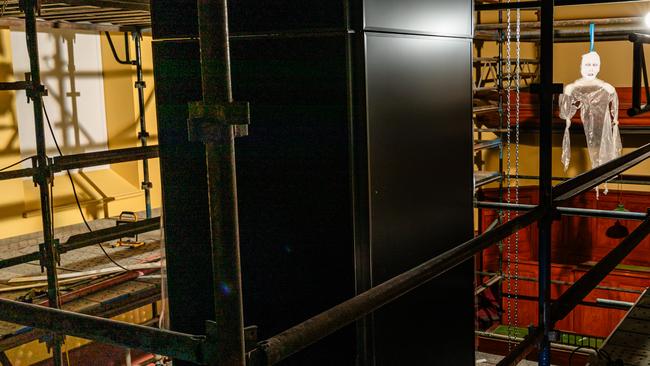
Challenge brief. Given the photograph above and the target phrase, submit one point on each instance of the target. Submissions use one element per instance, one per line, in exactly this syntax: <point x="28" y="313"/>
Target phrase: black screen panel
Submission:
<point x="420" y="149"/>
<point x="294" y="187"/>
<point x="177" y="73"/>
<point x="440" y="17"/>
<point x="174" y="19"/>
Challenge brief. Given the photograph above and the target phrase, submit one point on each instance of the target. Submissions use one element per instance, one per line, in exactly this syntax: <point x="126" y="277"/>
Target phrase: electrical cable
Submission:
<point x="16" y="163"/>
<point x="576" y="350"/>
<point x="76" y="196"/>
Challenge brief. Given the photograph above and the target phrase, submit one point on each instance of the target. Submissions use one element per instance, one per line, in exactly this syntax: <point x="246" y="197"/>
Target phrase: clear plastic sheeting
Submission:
<point x="598" y="105"/>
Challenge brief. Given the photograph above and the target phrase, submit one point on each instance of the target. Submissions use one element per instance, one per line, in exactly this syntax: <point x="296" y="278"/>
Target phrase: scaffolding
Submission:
<point x="59" y="15"/>
<point x="225" y="341"/>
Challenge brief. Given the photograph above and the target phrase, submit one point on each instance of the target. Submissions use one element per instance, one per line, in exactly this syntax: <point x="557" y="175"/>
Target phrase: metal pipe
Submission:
<point x="178" y="345"/>
<point x="636" y="76"/>
<point x="601" y="174"/>
<point x="77" y="161"/>
<point x="143" y="135"/>
<point x="622" y="179"/>
<point x="90" y="238"/>
<point x="43" y="176"/>
<point x="615" y="303"/>
<point x="128" y="60"/>
<point x="564" y="283"/>
<point x="606" y="304"/>
<point x="558" y="346"/>
<point x="545" y="175"/>
<point x="537" y="4"/>
<point x="565" y="23"/>
<point x="285" y="344"/>
<point x="569" y="211"/>
<point x="504" y="6"/>
<point x="619" y="32"/>
<point x="18" y="173"/>
<point x="99" y="286"/>
<point x="639" y="38"/>
<point x="222" y="184"/>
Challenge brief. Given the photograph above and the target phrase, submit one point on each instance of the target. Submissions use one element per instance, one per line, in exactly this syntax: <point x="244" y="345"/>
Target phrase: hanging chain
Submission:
<point x="508" y="178"/>
<point x="517" y="104"/>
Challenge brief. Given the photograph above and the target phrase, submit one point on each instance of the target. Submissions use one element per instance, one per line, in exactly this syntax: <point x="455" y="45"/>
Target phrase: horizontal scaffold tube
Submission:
<point x="568" y="211"/>
<point x="177" y="345"/>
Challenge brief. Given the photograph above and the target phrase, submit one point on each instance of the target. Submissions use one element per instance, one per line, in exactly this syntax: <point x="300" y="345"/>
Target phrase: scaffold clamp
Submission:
<point x="209" y="122"/>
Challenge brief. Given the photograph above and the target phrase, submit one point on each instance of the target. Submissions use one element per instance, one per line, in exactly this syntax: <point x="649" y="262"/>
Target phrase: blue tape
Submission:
<point x="592" y="31"/>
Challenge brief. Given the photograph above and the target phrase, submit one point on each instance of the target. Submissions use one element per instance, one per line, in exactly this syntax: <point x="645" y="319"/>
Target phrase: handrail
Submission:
<point x="285" y="344"/>
<point x="601" y="174"/>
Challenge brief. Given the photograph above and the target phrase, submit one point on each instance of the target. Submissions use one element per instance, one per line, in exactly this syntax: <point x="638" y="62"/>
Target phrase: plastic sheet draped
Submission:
<point x="598" y="105"/>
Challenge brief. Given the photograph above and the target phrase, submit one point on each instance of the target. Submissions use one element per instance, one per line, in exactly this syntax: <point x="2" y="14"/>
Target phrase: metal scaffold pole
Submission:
<point x="143" y="135"/>
<point x="216" y="121"/>
<point x="43" y="176"/>
<point x="545" y="178"/>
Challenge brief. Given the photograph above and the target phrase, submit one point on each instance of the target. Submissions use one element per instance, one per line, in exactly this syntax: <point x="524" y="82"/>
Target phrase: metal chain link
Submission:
<point x="508" y="178"/>
<point x="517" y="105"/>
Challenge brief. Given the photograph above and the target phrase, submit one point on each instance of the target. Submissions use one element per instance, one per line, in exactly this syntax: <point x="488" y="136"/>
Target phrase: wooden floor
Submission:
<point x="108" y="302"/>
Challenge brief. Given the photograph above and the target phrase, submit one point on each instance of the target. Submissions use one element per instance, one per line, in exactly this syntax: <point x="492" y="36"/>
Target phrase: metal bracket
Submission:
<point x="556" y="214"/>
<point x="42" y="251"/>
<point x="33" y="91"/>
<point x="143" y="135"/>
<point x="43" y="172"/>
<point x="211" y="331"/>
<point x="146" y="185"/>
<point x="140" y="85"/>
<point x="554" y="336"/>
<point x="49" y="339"/>
<point x="639" y="75"/>
<point x="207" y="123"/>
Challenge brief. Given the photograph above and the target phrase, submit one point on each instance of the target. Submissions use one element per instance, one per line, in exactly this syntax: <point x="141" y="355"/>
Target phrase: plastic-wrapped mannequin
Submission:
<point x="598" y="104"/>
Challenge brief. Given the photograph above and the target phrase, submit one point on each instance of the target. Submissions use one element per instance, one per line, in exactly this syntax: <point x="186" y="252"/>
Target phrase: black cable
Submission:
<point x="16" y="163"/>
<point x="74" y="191"/>
<point x="574" y="351"/>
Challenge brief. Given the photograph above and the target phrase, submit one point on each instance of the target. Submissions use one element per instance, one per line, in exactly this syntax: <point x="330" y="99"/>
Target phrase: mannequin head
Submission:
<point x="590" y="66"/>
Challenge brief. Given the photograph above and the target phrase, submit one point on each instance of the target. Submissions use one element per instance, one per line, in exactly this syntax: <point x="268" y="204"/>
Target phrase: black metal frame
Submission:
<point x="140" y="85"/>
<point x="638" y="70"/>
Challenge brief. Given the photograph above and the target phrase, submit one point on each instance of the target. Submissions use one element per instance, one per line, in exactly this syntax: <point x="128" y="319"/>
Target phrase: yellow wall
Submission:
<point x="102" y="192"/>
